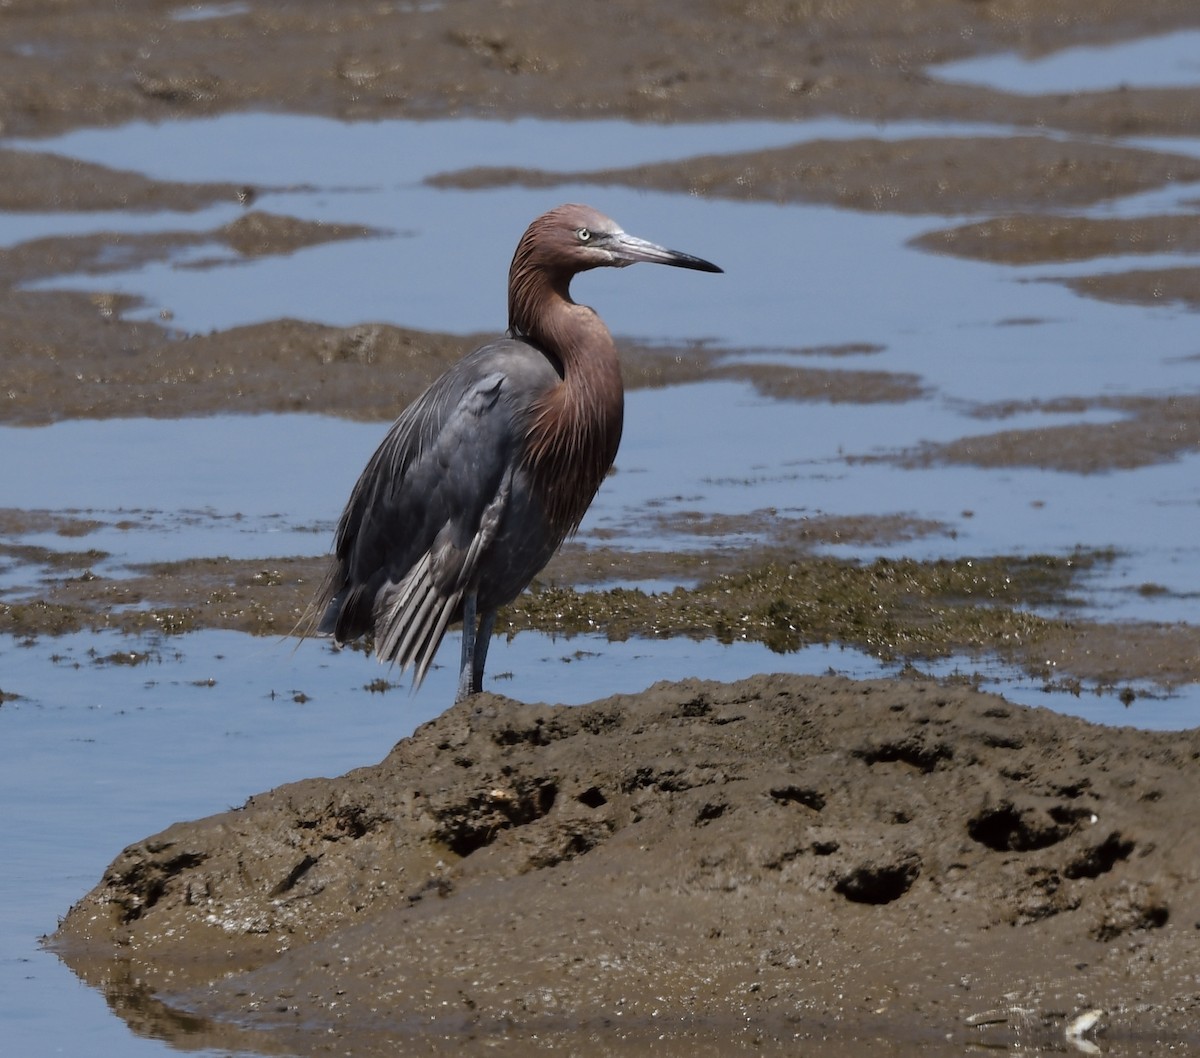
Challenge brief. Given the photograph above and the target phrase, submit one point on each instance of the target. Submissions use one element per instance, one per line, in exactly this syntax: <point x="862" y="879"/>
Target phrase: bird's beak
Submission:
<point x="626" y="249"/>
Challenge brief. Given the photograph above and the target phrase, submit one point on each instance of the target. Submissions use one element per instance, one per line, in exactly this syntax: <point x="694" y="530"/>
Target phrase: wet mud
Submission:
<point x="700" y="868"/>
<point x="908" y="176"/>
<point x="1151" y="430"/>
<point x="1024" y="239"/>
<point x="33" y="181"/>
<point x="712" y="59"/>
<point x="1030" y="238"/>
<point x="772" y="588"/>
<point x="1177" y="288"/>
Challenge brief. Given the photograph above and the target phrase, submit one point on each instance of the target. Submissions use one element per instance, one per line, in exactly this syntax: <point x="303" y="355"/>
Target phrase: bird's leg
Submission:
<point x="482" y="641"/>
<point x="466" y="681"/>
<point x="475" y="643"/>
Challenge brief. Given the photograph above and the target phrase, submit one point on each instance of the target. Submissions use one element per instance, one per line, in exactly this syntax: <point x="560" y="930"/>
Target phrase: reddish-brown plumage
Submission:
<point x="574" y="429"/>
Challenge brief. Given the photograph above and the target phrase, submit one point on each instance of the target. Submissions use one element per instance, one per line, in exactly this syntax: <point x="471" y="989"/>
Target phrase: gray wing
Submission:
<point x="429" y="503"/>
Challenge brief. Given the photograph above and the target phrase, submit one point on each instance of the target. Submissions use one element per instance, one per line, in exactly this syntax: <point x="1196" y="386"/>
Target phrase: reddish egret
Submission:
<point x="482" y="478"/>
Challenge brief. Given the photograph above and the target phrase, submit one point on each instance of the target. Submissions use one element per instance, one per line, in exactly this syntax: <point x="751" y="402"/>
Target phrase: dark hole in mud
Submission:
<point x="1069" y="814"/>
<point x="463" y="841"/>
<point x="354" y="821"/>
<point x="1130" y="908"/>
<point x="1100" y="859"/>
<point x="546" y="796"/>
<point x="911" y="751"/>
<point x="145" y="884"/>
<point x="1006" y="828"/>
<point x="665" y="779"/>
<point x="709" y="811"/>
<point x="872" y="883"/>
<point x="1002" y="740"/>
<point x="592" y="797"/>
<point x="576" y="845"/>
<point x="1154" y="917"/>
<point x="533" y="735"/>
<point x="696" y="707"/>
<point x="800" y="795"/>
<point x="1074" y="789"/>
<point x="466" y="828"/>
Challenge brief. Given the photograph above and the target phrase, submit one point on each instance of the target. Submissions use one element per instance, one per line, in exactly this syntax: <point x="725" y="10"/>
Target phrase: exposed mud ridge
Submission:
<point x="1172" y="287"/>
<point x="92" y="361"/>
<point x="30" y="180"/>
<point x="906" y="176"/>
<point x="725" y="58"/>
<point x="776" y="592"/>
<point x="785" y="853"/>
<point x="1151" y="430"/>
<point x="768" y="593"/>
<point x="1034" y="238"/>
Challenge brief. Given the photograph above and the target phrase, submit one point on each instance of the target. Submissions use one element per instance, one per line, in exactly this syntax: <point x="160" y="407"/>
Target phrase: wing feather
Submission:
<point x="424" y="512"/>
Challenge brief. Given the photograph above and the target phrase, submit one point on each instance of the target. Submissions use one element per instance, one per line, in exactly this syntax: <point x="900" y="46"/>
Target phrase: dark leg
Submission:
<point x="466" y="682"/>
<point x="482" y="641"/>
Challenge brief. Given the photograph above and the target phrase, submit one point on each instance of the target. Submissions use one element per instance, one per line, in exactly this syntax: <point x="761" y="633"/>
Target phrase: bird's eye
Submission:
<point x="583" y="234"/>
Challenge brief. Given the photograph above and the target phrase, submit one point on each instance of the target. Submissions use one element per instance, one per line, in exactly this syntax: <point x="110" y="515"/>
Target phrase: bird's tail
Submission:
<point x="320" y="615"/>
<point x="411" y="618"/>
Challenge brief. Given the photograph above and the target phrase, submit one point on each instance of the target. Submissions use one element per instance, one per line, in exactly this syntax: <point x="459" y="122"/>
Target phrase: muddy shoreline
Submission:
<point x="701" y="869"/>
<point x="716" y="59"/>
<point x="749" y="865"/>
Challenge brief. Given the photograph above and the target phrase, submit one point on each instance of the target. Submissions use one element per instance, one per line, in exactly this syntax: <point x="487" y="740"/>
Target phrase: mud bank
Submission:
<point x="712" y="59"/>
<point x="780" y="859"/>
<point x="71" y="355"/>
<point x="700" y="869"/>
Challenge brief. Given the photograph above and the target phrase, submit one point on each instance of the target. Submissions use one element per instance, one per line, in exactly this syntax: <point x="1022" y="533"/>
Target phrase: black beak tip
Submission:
<point x="697" y="264"/>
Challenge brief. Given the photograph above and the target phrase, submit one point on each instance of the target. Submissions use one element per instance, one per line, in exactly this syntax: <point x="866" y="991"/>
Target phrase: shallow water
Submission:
<point x="809" y="276"/>
<point x="114" y="738"/>
<point x="1171" y="60"/>
<point x="120" y="736"/>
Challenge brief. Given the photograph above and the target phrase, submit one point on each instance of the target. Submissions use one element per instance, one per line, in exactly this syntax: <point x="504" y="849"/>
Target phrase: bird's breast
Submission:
<point x="573" y="434"/>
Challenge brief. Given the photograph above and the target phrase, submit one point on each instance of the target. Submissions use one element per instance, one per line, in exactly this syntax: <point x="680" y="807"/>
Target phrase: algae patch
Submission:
<point x="894" y="609"/>
<point x="891" y="608"/>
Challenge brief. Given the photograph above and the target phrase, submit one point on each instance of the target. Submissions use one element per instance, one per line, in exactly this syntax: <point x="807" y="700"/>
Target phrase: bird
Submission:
<point x="480" y="480"/>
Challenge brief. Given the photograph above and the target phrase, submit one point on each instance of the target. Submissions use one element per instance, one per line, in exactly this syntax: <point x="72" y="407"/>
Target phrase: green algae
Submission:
<point x="784" y="597"/>
<point x="891" y="608"/>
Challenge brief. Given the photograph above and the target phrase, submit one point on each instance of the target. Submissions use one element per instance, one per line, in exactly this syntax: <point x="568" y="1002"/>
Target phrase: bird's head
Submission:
<point x="574" y="238"/>
<point x="570" y="239"/>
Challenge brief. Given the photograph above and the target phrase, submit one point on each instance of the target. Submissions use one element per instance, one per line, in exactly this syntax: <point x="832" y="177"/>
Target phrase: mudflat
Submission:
<point x="700" y="867"/>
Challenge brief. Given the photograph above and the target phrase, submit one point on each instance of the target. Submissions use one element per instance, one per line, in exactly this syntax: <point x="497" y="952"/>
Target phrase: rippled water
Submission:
<point x="114" y="737"/>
